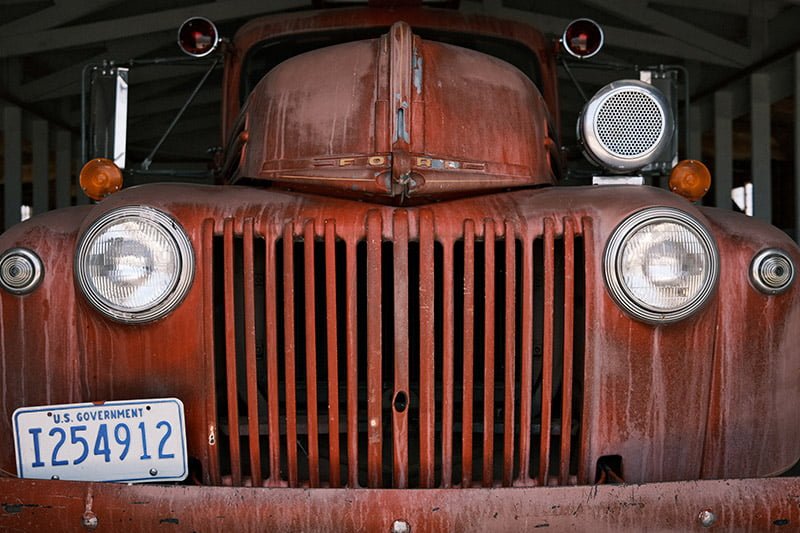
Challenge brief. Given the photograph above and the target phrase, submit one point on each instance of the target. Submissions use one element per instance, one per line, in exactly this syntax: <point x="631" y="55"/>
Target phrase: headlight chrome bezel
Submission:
<point x="178" y="287"/>
<point x="622" y="294"/>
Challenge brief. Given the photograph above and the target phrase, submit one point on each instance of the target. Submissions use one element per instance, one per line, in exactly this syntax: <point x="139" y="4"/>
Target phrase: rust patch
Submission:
<point x="666" y="506"/>
<point x="13" y="508"/>
<point x="16" y="508"/>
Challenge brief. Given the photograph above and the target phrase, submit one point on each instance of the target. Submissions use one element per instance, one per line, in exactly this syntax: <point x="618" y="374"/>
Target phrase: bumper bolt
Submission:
<point x="707" y="518"/>
<point x="401" y="526"/>
<point x="153" y="472"/>
<point x="89" y="520"/>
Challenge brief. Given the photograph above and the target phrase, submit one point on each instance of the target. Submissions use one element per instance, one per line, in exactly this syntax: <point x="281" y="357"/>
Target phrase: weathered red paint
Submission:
<point x="647" y="389"/>
<point x="401" y="358"/>
<point x="374" y="351"/>
<point x="349" y="19"/>
<point x="737" y="505"/>
<point x="469" y="351"/>
<point x="333" y="379"/>
<point x="464" y="351"/>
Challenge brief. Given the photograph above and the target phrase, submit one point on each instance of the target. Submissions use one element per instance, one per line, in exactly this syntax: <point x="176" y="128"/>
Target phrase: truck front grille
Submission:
<point x="410" y="352"/>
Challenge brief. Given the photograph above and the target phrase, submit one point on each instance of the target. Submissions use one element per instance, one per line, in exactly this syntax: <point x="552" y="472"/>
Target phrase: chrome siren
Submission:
<point x="626" y="126"/>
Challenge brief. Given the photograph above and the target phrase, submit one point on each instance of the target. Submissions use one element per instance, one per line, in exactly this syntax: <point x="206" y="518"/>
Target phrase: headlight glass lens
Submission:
<point x="135" y="264"/>
<point x="661" y="265"/>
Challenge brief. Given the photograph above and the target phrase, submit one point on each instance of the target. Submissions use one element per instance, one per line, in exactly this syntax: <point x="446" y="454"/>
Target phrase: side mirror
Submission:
<point x="108" y="101"/>
<point x="582" y="38"/>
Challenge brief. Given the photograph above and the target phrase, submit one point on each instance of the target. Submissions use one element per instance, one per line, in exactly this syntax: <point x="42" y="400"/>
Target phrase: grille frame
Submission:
<point x="382" y="449"/>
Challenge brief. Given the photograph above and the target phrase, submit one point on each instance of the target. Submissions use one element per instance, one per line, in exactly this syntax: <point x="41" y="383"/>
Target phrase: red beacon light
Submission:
<point x="582" y="38"/>
<point x="198" y="37"/>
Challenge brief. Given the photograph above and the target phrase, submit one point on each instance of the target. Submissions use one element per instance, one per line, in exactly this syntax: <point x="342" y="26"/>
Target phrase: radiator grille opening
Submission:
<point x="319" y="338"/>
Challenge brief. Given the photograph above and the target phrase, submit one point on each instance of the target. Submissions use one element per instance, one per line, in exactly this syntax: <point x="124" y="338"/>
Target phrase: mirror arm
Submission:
<point x="149" y="159"/>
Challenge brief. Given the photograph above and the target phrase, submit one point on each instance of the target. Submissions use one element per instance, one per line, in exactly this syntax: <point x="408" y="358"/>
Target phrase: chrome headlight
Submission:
<point x="134" y="264"/>
<point x="661" y="265"/>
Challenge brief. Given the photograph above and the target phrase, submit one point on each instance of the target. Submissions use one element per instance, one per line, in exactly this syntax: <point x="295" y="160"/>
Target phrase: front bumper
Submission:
<point x="771" y="504"/>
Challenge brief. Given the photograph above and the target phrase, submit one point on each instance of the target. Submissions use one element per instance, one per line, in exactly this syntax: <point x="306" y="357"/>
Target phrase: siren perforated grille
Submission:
<point x="630" y="123"/>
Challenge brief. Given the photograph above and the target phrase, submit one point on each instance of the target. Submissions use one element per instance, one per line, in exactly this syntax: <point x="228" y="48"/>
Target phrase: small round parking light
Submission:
<point x="20" y="270"/>
<point x="198" y="37"/>
<point x="772" y="271"/>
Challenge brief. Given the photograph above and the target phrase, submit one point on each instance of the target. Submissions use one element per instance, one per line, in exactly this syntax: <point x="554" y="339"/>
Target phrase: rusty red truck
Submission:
<point x="390" y="314"/>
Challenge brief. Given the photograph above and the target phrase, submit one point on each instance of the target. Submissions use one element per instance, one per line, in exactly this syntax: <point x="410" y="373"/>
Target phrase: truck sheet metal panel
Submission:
<point x="63" y="506"/>
<point x="647" y="397"/>
<point x="396" y="116"/>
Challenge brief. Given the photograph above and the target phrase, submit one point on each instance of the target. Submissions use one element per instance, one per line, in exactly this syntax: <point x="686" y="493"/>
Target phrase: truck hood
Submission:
<point x="397" y="118"/>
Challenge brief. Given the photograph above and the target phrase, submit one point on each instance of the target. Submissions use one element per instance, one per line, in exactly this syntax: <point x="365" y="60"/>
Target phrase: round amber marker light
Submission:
<point x="690" y="179"/>
<point x="99" y="178"/>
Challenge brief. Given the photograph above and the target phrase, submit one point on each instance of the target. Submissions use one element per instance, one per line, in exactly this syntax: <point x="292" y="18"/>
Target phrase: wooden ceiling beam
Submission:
<point x="637" y="11"/>
<point x="62" y="12"/>
<point x="638" y="41"/>
<point x="138" y="25"/>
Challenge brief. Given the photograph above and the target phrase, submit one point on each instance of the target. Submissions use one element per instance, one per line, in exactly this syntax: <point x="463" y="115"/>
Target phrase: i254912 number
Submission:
<point x="134" y="440"/>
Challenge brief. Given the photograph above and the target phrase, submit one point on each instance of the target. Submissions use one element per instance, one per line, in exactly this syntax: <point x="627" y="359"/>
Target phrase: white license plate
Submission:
<point x="128" y="441"/>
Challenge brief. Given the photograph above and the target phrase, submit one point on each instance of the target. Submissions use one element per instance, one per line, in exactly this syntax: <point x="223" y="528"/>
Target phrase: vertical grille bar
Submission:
<point x="469" y="349"/>
<point x="352" y="364"/>
<point x="374" y="350"/>
<point x="333" y="353"/>
<point x="250" y="355"/>
<point x="584" y="468"/>
<point x="271" y="341"/>
<point x="547" y="353"/>
<point x="488" y="364"/>
<point x="311" y="355"/>
<point x="569" y="317"/>
<point x="510" y="347"/>
<point x="230" y="355"/>
<point x="401" y="351"/>
<point x="447" y="365"/>
<point x="526" y="360"/>
<point x="289" y="354"/>
<point x="208" y="322"/>
<point x="427" y="405"/>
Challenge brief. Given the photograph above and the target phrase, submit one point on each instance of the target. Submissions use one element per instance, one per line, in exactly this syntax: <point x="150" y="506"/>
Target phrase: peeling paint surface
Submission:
<point x="58" y="505"/>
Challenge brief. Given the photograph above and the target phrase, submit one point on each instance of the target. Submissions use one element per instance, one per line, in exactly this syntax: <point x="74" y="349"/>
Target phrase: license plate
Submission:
<point x="128" y="441"/>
